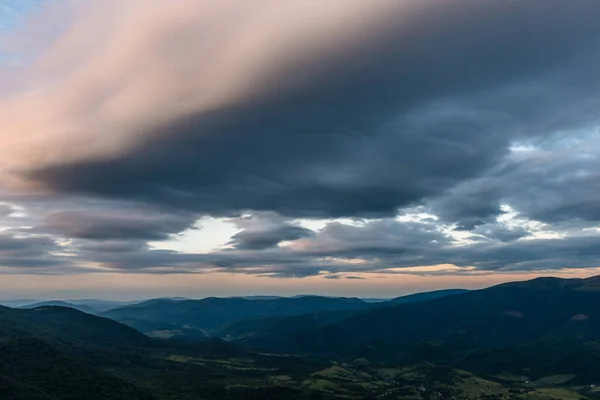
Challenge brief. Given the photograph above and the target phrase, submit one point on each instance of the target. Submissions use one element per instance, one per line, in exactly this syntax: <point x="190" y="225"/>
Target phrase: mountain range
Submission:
<point x="210" y="315"/>
<point x="520" y="340"/>
<point x="544" y="324"/>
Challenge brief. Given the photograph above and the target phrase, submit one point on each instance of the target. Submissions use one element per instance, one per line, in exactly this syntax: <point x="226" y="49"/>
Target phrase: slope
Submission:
<point x="540" y="321"/>
<point x="67" y="325"/>
<point x="426" y="296"/>
<point x="276" y="329"/>
<point x="81" y="307"/>
<point x="31" y="369"/>
<point x="212" y="314"/>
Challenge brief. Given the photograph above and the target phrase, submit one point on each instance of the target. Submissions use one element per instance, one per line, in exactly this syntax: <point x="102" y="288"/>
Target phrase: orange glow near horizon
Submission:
<point x="118" y="286"/>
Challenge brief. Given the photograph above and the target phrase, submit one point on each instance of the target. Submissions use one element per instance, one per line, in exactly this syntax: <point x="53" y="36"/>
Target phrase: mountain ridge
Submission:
<point x="523" y="315"/>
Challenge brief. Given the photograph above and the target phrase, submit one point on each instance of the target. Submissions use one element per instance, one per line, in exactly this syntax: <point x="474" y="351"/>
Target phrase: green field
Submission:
<point x="363" y="380"/>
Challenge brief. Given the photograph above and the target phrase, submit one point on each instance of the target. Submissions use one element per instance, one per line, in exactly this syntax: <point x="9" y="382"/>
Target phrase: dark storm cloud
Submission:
<point x="376" y="246"/>
<point x="114" y="225"/>
<point x="540" y="254"/>
<point x="428" y="114"/>
<point x="556" y="187"/>
<point x="29" y="252"/>
<point x="556" y="183"/>
<point x="501" y="233"/>
<point x="12" y="245"/>
<point x="381" y="238"/>
<point x="258" y="240"/>
<point x="430" y="104"/>
<point x="259" y="231"/>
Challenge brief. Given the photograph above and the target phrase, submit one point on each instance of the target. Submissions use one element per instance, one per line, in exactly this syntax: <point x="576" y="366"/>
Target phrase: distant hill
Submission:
<point x="16" y="303"/>
<point x="66" y="325"/>
<point x="85" y="305"/>
<point x="212" y="314"/>
<point x="374" y="299"/>
<point x="163" y="330"/>
<point x="237" y="317"/>
<point x="258" y="297"/>
<point x="81" y="307"/>
<point x="425" y="296"/>
<point x="276" y="329"/>
<point x="101" y="305"/>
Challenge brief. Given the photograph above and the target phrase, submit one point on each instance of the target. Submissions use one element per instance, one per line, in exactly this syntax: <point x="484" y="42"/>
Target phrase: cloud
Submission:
<point x="380" y="238"/>
<point x="263" y="231"/>
<point x="501" y="232"/>
<point x="113" y="225"/>
<point x="345" y="109"/>
<point x="383" y="253"/>
<point x="29" y="252"/>
<point x="258" y="240"/>
<point x="5" y="210"/>
<point x="343" y="250"/>
<point x="134" y="119"/>
<point x="552" y="180"/>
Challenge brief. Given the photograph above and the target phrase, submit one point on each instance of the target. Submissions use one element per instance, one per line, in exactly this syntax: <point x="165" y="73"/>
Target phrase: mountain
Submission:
<point x="374" y="299"/>
<point x="538" y="339"/>
<point x="91" y="306"/>
<point x="63" y="325"/>
<point x="18" y="302"/>
<point x="276" y="329"/>
<point x="31" y="369"/>
<point x="52" y="353"/>
<point x="424" y="296"/>
<point x="81" y="307"/>
<point x="542" y="323"/>
<point x="101" y="305"/>
<point x="163" y="330"/>
<point x="258" y="297"/>
<point x="212" y="314"/>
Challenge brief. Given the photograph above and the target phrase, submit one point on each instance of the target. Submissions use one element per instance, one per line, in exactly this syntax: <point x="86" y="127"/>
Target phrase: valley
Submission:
<point x="528" y="340"/>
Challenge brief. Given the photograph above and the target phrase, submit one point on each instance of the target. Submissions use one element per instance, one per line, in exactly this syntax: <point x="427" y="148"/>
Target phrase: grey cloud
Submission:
<point x="427" y="121"/>
<point x="111" y="246"/>
<point x="554" y="182"/>
<point x="539" y="254"/>
<point x="94" y="225"/>
<point x="559" y="190"/>
<point x="380" y="238"/>
<point x="265" y="230"/>
<point x="5" y="210"/>
<point x="501" y="233"/>
<point x="373" y="247"/>
<point x="378" y="129"/>
<point x="138" y="257"/>
<point x="408" y="248"/>
<point x="10" y="243"/>
<point x="29" y="252"/>
<point x="258" y="240"/>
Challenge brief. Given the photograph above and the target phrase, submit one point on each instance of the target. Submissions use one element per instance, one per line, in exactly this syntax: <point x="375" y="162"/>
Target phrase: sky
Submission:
<point x="349" y="147"/>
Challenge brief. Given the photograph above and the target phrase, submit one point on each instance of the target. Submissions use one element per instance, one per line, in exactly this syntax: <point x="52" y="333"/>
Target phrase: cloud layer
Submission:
<point x="155" y="114"/>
